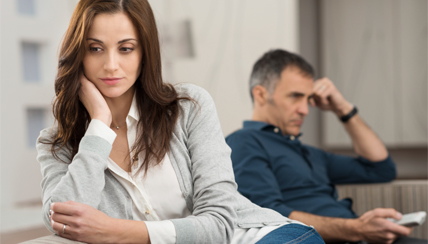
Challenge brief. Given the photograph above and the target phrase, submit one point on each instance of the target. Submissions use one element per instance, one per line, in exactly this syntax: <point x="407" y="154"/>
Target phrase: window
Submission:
<point x="26" y="7"/>
<point x="37" y="119"/>
<point x="31" y="61"/>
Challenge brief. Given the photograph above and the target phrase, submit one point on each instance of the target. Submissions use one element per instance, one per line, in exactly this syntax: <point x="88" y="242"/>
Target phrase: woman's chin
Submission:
<point x="112" y="93"/>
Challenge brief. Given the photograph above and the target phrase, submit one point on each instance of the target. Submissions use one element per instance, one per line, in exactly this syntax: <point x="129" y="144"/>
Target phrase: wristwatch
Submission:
<point x="351" y="114"/>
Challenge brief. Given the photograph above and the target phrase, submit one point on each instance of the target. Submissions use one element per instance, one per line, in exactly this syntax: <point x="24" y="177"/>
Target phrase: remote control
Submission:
<point x="411" y="219"/>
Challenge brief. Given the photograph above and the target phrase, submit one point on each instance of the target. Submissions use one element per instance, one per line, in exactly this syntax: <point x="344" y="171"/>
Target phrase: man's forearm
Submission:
<point x="330" y="229"/>
<point x="366" y="143"/>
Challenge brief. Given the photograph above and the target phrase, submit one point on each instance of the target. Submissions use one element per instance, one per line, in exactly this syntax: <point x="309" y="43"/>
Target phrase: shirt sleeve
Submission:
<point x="98" y="128"/>
<point x="161" y="232"/>
<point x="254" y="174"/>
<point x="349" y="170"/>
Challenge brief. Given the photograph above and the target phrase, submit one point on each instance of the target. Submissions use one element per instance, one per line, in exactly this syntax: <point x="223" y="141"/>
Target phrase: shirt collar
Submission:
<point x="258" y="125"/>
<point x="133" y="111"/>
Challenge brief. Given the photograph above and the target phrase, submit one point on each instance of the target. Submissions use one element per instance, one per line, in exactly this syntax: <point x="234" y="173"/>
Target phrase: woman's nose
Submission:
<point x="111" y="62"/>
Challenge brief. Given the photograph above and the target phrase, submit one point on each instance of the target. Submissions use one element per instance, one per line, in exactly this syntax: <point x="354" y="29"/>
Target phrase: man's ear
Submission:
<point x="260" y="95"/>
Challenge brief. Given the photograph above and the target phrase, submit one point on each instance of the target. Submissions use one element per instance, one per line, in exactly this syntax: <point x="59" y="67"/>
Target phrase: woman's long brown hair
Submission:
<point x="157" y="101"/>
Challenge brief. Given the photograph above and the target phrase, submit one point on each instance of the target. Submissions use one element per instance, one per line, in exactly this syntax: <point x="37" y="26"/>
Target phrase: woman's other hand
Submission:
<point x="82" y="222"/>
<point x="87" y="224"/>
<point x="94" y="101"/>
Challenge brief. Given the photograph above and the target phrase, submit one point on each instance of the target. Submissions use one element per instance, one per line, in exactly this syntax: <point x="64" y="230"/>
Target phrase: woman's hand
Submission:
<point x="82" y="222"/>
<point x="94" y="101"/>
<point x="87" y="224"/>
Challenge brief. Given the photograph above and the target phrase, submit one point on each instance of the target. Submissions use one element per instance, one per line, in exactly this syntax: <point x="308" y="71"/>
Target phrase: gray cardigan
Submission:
<point x="200" y="158"/>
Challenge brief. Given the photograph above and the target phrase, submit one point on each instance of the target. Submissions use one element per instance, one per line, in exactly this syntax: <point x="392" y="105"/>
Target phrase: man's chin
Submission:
<point x="293" y="132"/>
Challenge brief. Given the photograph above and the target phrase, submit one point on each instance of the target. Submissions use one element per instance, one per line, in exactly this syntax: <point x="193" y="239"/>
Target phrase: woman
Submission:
<point x="132" y="159"/>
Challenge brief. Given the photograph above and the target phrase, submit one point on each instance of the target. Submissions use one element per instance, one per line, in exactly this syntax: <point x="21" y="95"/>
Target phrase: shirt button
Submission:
<point x="276" y="130"/>
<point x="147" y="212"/>
<point x="292" y="138"/>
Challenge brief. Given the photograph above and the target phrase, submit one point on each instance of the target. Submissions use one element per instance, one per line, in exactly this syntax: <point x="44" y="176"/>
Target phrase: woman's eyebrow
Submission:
<point x="126" y="40"/>
<point x="119" y="42"/>
<point x="93" y="39"/>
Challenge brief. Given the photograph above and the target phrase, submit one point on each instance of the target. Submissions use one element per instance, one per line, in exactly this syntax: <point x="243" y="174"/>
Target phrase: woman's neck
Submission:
<point x="119" y="107"/>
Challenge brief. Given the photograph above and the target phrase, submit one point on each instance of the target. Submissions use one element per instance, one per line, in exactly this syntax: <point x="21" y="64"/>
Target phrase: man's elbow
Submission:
<point x="389" y="175"/>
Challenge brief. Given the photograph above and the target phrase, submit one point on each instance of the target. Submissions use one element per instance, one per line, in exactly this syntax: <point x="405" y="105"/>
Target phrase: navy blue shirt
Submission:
<point x="279" y="172"/>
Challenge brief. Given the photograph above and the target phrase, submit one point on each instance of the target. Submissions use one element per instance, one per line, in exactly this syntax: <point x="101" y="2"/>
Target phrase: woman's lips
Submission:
<point x="110" y="81"/>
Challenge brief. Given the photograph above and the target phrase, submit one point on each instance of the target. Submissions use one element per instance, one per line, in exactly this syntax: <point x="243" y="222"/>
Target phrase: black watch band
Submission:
<point x="351" y="114"/>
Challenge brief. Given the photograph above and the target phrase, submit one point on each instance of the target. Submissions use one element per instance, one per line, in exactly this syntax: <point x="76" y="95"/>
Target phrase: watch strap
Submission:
<point x="346" y="118"/>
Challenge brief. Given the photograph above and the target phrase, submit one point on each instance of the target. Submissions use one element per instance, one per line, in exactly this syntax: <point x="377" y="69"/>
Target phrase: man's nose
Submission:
<point x="111" y="62"/>
<point x="303" y="108"/>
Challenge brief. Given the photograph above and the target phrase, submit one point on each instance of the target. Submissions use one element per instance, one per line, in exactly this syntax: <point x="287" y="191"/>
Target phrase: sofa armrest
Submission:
<point x="405" y="196"/>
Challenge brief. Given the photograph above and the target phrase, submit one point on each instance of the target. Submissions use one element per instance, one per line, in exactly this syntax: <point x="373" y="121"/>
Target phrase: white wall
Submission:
<point x="20" y="172"/>
<point x="229" y="36"/>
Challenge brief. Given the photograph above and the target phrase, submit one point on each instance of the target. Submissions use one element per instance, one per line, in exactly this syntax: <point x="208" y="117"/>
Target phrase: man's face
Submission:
<point x="288" y="105"/>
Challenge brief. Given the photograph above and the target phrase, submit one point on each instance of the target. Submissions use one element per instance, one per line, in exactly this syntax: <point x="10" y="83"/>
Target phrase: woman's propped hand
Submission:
<point x="94" y="101"/>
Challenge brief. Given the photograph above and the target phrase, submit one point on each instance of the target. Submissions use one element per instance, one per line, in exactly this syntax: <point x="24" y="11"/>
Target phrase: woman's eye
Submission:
<point x="126" y="49"/>
<point x="94" y="49"/>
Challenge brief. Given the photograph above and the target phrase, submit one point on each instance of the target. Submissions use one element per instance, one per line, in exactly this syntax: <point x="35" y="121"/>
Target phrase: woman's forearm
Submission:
<point x="129" y="231"/>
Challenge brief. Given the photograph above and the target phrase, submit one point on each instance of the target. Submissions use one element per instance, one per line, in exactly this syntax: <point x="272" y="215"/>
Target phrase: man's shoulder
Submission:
<point x="246" y="139"/>
<point x="242" y="133"/>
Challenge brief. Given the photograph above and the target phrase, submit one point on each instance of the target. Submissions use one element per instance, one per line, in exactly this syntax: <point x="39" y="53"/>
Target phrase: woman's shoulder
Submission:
<point x="48" y="134"/>
<point x="192" y="91"/>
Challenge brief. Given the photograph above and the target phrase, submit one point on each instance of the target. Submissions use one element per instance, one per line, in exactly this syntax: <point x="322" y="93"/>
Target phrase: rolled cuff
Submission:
<point x="161" y="232"/>
<point x="98" y="128"/>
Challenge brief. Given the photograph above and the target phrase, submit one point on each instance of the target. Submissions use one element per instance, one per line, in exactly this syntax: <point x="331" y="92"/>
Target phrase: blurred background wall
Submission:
<point x="374" y="51"/>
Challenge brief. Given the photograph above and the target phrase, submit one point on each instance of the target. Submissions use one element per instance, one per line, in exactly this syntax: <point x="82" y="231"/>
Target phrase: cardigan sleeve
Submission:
<point x="80" y="179"/>
<point x="214" y="189"/>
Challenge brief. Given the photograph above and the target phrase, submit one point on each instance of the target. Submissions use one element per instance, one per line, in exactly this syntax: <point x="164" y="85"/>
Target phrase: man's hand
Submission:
<point x="373" y="227"/>
<point x="327" y="97"/>
<point x="364" y="140"/>
<point x="94" y="101"/>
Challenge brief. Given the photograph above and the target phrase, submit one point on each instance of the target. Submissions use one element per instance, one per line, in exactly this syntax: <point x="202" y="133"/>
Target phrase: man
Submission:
<point x="274" y="170"/>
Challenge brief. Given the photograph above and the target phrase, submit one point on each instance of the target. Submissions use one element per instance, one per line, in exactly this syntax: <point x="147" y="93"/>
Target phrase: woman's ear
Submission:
<point x="260" y="95"/>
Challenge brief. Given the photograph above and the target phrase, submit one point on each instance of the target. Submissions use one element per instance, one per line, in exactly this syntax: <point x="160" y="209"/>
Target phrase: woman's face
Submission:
<point x="112" y="60"/>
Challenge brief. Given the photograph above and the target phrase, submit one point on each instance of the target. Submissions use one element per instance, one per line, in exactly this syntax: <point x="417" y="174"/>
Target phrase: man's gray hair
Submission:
<point x="267" y="70"/>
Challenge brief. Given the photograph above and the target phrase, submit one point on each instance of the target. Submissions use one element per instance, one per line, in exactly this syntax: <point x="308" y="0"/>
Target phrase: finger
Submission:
<point x="323" y="96"/>
<point x="390" y="237"/>
<point x="317" y="100"/>
<point x="84" y="79"/>
<point x="387" y="213"/>
<point x="398" y="229"/>
<point x="320" y="87"/>
<point x="321" y="82"/>
<point x="58" y="227"/>
<point x="312" y="102"/>
<point x="62" y="218"/>
<point x="63" y="208"/>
